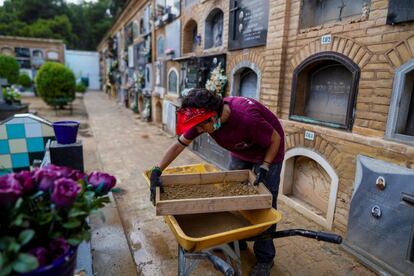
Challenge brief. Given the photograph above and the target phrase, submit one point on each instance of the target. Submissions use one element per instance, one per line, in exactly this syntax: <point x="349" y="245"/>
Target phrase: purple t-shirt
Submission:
<point x="248" y="131"/>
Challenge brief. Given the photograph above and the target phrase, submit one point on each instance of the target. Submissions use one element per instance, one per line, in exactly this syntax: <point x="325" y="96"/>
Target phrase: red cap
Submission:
<point x="190" y="117"/>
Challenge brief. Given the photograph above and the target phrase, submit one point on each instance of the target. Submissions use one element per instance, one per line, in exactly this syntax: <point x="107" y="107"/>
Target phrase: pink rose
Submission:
<point x="58" y="247"/>
<point x="45" y="178"/>
<point x="65" y="191"/>
<point x="102" y="183"/>
<point x="40" y="254"/>
<point x="26" y="181"/>
<point x="10" y="190"/>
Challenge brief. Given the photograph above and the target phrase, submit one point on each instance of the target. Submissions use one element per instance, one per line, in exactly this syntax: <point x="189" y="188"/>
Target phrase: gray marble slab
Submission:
<point x="381" y="222"/>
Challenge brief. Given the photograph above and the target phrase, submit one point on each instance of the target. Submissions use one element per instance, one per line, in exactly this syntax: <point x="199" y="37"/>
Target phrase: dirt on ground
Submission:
<point x="186" y="191"/>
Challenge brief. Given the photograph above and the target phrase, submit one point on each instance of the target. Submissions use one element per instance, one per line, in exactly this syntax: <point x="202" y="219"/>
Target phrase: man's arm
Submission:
<point x="273" y="149"/>
<point x="173" y="151"/>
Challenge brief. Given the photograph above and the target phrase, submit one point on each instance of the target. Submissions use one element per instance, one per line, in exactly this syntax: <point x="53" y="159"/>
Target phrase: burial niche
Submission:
<point x="324" y="88"/>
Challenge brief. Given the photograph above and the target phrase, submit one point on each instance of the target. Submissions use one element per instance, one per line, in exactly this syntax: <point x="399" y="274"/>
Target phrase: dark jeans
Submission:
<point x="263" y="250"/>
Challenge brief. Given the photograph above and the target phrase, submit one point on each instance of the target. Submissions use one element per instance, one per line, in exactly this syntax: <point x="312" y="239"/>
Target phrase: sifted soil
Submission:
<point x="186" y="191"/>
<point x="200" y="225"/>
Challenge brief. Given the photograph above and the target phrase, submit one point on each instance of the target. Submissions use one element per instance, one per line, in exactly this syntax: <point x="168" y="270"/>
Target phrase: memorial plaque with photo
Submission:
<point x="248" y="23"/>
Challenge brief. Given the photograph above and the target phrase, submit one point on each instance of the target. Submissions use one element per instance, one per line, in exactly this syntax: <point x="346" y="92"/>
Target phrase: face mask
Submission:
<point x="217" y="124"/>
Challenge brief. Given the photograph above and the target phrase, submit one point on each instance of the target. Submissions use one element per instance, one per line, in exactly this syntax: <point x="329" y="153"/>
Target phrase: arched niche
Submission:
<point x="213" y="36"/>
<point x="245" y="80"/>
<point x="7" y="51"/>
<point x="324" y="89"/>
<point x="158" y="112"/>
<point x="52" y="55"/>
<point x="160" y="46"/>
<point x="189" y="37"/>
<point x="309" y="184"/>
<point x="37" y="58"/>
<point x="172" y="81"/>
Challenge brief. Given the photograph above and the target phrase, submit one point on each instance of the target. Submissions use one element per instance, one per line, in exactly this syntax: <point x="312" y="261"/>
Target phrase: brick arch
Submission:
<point x="6" y="50"/>
<point x="207" y="12"/>
<point x="187" y="42"/>
<point x="320" y="145"/>
<point x="402" y="52"/>
<point x="346" y="46"/>
<point x="252" y="60"/>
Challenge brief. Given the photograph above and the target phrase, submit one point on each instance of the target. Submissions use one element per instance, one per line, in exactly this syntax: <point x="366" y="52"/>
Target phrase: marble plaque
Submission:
<point x="248" y="23"/>
<point x="381" y="217"/>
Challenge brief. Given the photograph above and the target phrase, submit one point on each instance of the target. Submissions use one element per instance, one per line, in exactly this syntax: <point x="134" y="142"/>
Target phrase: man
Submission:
<point x="245" y="127"/>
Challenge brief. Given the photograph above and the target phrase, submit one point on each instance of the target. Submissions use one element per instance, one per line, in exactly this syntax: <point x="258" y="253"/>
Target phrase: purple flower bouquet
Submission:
<point x="43" y="214"/>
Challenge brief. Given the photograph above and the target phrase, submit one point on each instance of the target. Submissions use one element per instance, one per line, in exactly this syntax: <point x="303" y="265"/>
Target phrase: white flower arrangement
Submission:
<point x="217" y="80"/>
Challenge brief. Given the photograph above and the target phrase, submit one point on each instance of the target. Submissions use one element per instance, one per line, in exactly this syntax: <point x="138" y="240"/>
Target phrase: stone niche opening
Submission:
<point x="309" y="185"/>
<point x="189" y="37"/>
<point x="213" y="36"/>
<point x="324" y="88"/>
<point x="158" y="112"/>
<point x="245" y="80"/>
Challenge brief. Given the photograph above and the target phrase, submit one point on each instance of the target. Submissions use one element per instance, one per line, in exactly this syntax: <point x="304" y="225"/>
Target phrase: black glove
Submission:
<point x="155" y="182"/>
<point x="261" y="175"/>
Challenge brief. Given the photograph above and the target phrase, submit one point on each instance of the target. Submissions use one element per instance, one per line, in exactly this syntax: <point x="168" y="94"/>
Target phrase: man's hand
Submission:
<point x="155" y="182"/>
<point x="261" y="175"/>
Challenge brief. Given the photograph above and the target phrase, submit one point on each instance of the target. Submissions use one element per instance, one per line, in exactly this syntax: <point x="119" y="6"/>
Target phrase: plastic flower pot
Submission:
<point x="63" y="266"/>
<point x="66" y="131"/>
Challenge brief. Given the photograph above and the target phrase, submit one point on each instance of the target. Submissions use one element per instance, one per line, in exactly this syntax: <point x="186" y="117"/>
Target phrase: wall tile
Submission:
<point x="33" y="130"/>
<point x="20" y="160"/>
<point x="35" y="144"/>
<point x="4" y="147"/>
<point x="15" y="131"/>
<point x="5" y="161"/>
<point x="17" y="145"/>
<point x="3" y="132"/>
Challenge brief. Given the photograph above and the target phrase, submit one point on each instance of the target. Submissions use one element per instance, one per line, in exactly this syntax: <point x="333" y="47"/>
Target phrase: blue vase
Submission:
<point x="63" y="266"/>
<point x="66" y="131"/>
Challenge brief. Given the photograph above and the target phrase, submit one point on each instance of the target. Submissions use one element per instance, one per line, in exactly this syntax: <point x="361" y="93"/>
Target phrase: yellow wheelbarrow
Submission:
<point x="193" y="247"/>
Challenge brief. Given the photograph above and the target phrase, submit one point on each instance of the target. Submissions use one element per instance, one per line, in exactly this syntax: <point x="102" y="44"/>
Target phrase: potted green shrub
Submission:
<point x="9" y="69"/>
<point x="56" y="84"/>
<point x="25" y="81"/>
<point x="80" y="87"/>
<point x="43" y="218"/>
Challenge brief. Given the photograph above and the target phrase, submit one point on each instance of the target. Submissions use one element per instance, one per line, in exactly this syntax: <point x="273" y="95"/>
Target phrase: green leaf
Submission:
<point x="18" y="221"/>
<point x="99" y="189"/>
<point x="74" y="242"/>
<point x="86" y="235"/>
<point x="6" y="270"/>
<point x="26" y="236"/>
<point x="1" y="260"/>
<point x="72" y="224"/>
<point x="45" y="218"/>
<point x="36" y="195"/>
<point x="116" y="190"/>
<point x="76" y="212"/>
<point x="18" y="203"/>
<point x="14" y="247"/>
<point x="25" y="263"/>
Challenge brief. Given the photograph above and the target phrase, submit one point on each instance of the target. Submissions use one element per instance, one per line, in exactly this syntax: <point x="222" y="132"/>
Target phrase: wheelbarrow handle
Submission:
<point x="220" y="264"/>
<point x="320" y="236"/>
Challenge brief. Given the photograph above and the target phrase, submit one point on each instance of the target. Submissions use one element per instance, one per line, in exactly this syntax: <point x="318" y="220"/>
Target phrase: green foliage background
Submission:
<point x="81" y="26"/>
<point x="56" y="84"/>
<point x="24" y="80"/>
<point x="9" y="69"/>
